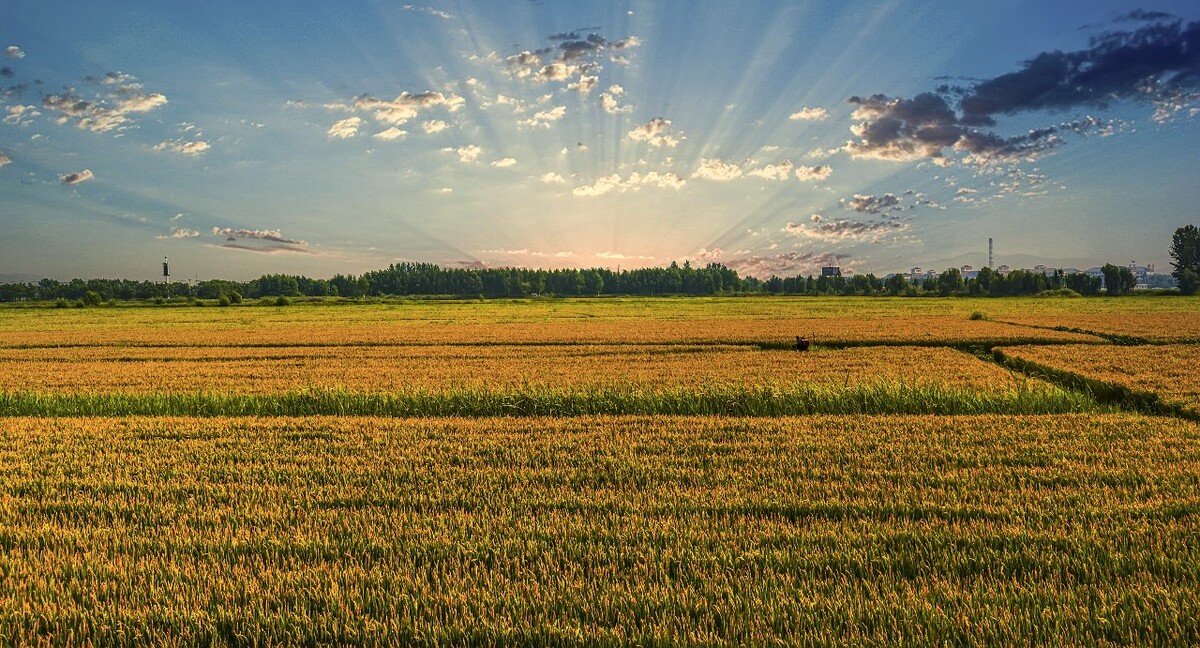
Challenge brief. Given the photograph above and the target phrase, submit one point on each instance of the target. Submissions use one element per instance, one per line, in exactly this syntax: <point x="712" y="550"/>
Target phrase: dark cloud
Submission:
<point x="1118" y="65"/>
<point x="274" y="236"/>
<point x="1139" y="15"/>
<point x="572" y="53"/>
<point x="865" y="204"/>
<point x="1158" y="63"/>
<point x="572" y="35"/>
<point x="842" y="230"/>
<point x="6" y="72"/>
<point x="77" y="177"/>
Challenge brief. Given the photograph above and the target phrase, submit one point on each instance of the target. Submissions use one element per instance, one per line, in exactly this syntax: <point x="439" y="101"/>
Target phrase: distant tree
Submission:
<point x="896" y="284"/>
<point x="1082" y="283"/>
<point x="1185" y="250"/>
<point x="1118" y="280"/>
<point x="982" y="283"/>
<point x="593" y="282"/>
<point x="951" y="282"/>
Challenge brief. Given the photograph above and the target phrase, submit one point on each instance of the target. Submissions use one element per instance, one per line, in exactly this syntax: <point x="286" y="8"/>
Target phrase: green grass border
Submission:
<point x="724" y="400"/>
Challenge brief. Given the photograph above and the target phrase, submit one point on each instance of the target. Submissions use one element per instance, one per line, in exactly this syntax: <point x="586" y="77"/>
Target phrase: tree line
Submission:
<point x="425" y="279"/>
<point x="428" y="279"/>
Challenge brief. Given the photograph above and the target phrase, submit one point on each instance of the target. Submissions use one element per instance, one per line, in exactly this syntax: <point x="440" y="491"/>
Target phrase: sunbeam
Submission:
<point x="594" y="134"/>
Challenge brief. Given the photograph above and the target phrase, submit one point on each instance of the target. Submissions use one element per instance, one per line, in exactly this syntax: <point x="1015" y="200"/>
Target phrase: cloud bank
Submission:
<point x="1158" y="63"/>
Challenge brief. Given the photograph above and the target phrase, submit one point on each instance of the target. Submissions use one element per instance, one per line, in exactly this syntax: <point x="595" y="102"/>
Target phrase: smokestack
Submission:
<point x="990" y="259"/>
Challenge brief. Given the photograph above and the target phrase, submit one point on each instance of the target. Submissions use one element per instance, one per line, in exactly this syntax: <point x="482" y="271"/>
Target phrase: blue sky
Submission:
<point x="774" y="137"/>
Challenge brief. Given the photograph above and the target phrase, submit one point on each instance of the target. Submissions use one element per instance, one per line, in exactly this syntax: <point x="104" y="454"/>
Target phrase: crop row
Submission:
<point x="363" y="325"/>
<point x="131" y="370"/>
<point x="1033" y="397"/>
<point x="653" y="530"/>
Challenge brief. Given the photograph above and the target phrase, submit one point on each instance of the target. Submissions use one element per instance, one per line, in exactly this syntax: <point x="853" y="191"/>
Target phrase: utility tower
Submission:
<point x="167" y="277"/>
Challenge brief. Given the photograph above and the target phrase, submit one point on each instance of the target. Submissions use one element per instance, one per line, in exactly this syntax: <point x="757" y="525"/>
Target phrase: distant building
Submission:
<point x="1004" y="269"/>
<point x="831" y="271"/>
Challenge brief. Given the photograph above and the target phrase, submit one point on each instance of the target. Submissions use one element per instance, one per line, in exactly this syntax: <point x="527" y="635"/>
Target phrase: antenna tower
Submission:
<point x="167" y="277"/>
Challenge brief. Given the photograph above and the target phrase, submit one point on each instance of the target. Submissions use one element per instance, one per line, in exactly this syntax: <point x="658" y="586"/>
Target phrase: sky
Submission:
<point x="774" y="137"/>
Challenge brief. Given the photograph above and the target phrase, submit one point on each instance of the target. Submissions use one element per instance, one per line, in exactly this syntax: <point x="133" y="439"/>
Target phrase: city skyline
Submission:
<point x="774" y="138"/>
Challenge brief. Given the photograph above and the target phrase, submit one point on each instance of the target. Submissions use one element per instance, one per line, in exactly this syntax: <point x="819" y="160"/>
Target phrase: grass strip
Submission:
<point x="723" y="400"/>
<point x="1103" y="392"/>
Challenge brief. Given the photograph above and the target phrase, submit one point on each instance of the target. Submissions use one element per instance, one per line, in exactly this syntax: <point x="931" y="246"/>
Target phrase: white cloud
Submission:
<point x="610" y="103"/>
<point x="543" y="118"/>
<point x="553" y="178"/>
<point x="429" y="11"/>
<point x="522" y="64"/>
<point x="406" y="106"/>
<point x="556" y="71"/>
<point x="391" y="134"/>
<point x="14" y="52"/>
<point x="121" y="97"/>
<point x="585" y="84"/>
<point x="445" y="190"/>
<point x="434" y="126"/>
<point x="819" y="172"/>
<point x="655" y="133"/>
<point x="809" y="114"/>
<point x="183" y="147"/>
<point x="504" y="163"/>
<point x="718" y="170"/>
<point x="781" y="171"/>
<point x="634" y="182"/>
<point x="4" y="159"/>
<point x="21" y="115"/>
<point x="77" y="177"/>
<point x="345" y="128"/>
<point x="181" y="233"/>
<point x="466" y="154"/>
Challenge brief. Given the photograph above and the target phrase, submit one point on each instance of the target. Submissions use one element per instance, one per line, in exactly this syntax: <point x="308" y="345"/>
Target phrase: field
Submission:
<point x="1163" y="373"/>
<point x="601" y="472"/>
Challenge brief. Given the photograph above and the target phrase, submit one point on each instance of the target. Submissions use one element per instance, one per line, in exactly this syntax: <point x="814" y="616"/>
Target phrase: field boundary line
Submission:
<point x="1103" y="391"/>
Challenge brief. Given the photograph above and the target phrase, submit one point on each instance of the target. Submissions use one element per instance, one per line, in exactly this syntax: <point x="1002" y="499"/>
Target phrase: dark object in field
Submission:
<point x="801" y="343"/>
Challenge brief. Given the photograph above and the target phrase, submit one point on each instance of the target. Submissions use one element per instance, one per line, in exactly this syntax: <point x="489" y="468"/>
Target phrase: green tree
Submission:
<point x="1118" y="280"/>
<point x="593" y="282"/>
<point x="951" y="282"/>
<point x="1185" y="250"/>
<point x="896" y="284"/>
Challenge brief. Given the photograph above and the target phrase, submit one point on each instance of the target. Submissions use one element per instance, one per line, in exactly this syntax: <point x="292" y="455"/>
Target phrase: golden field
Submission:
<point x="686" y="530"/>
<point x="265" y="370"/>
<point x="601" y="472"/>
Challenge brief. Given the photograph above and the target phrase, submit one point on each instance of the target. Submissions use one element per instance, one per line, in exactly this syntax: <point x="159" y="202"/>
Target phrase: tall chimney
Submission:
<point x="990" y="259"/>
